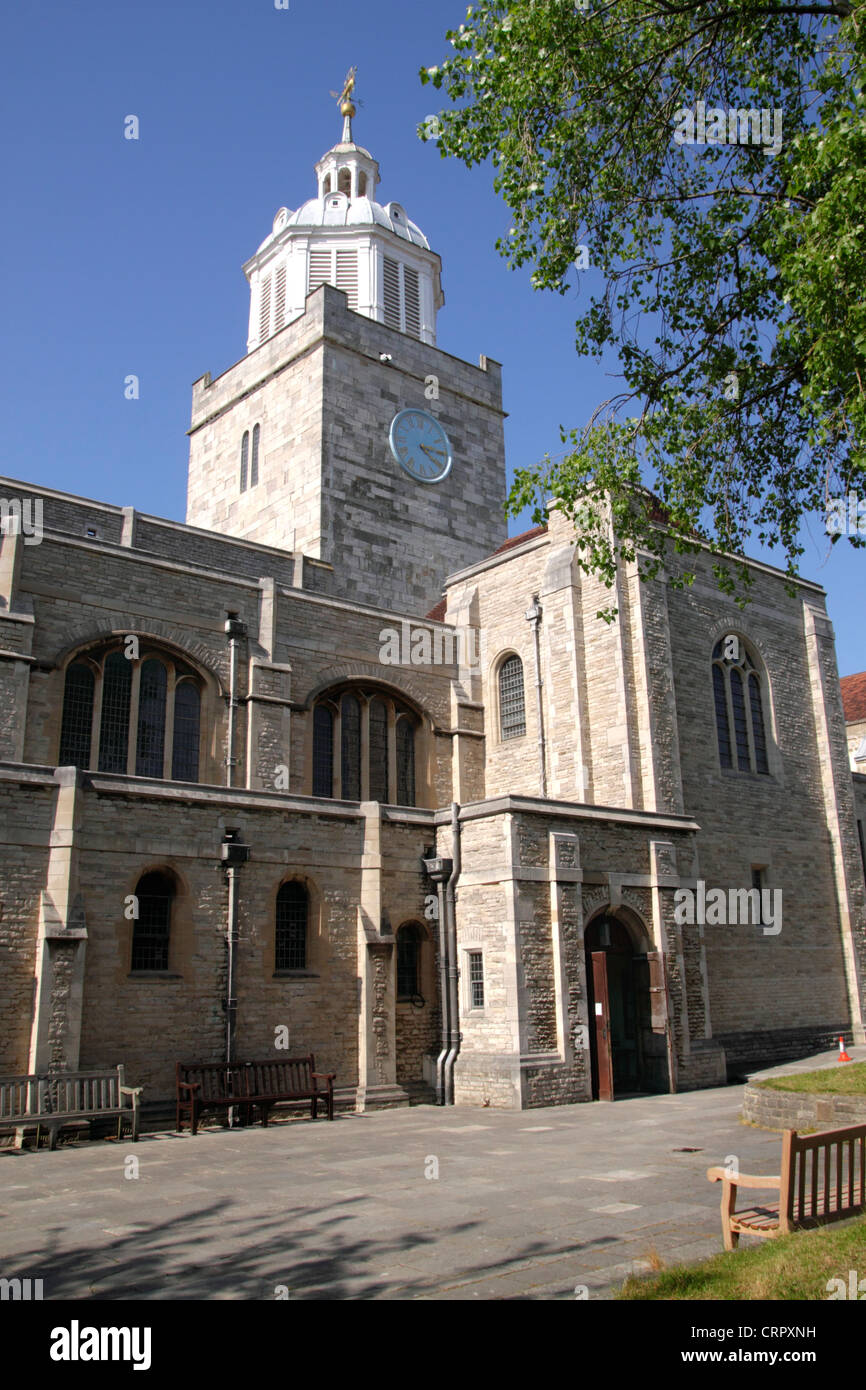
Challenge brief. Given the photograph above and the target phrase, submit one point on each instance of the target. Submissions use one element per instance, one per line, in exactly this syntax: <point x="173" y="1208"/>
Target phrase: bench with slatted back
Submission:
<point x="244" y="1084"/>
<point x="823" y="1179"/>
<point x="52" y="1100"/>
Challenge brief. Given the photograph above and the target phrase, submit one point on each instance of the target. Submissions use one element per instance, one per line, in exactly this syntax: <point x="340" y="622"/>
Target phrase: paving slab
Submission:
<point x="525" y="1205"/>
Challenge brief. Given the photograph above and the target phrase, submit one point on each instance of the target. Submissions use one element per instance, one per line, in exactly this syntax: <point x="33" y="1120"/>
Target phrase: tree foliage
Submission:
<point x="729" y="276"/>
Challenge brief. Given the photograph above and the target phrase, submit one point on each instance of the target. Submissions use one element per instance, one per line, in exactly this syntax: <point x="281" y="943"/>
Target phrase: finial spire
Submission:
<point x="346" y="104"/>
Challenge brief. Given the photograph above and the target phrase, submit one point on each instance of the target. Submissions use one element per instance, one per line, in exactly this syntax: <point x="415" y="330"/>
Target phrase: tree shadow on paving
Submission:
<point x="217" y="1252"/>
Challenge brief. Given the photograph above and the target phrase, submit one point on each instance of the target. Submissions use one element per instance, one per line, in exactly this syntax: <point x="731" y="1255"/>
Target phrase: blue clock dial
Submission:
<point x="421" y="446"/>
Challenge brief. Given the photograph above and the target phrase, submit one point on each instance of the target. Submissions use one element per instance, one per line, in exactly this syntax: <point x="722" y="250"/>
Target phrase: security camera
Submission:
<point x="384" y="357"/>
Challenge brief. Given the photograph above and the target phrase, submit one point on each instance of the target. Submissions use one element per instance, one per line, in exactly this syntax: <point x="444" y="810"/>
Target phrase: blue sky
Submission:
<point x="125" y="256"/>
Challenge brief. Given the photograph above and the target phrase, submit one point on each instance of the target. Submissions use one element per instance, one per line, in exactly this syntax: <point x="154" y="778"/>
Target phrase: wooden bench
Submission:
<point x="201" y="1085"/>
<point x="54" y="1099"/>
<point x="823" y="1179"/>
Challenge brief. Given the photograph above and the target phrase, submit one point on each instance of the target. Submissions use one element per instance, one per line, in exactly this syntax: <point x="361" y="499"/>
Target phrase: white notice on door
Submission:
<point x="598" y="1009"/>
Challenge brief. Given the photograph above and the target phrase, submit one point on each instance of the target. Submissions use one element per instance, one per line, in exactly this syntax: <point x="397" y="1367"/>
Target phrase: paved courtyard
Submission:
<point x="524" y="1205"/>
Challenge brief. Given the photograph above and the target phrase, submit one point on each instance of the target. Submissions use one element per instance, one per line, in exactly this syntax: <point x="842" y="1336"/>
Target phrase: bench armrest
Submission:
<point x="189" y="1085"/>
<point x="324" y="1076"/>
<point x="742" y="1179"/>
<point x="131" y="1090"/>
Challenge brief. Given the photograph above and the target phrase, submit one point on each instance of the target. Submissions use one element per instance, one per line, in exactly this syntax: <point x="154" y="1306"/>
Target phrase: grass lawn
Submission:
<point x="846" y="1079"/>
<point x="797" y="1266"/>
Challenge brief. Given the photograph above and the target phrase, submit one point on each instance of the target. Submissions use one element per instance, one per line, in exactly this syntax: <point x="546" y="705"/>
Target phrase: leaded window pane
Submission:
<point x="323" y="751"/>
<point x="185" y="743"/>
<point x="724" y="733"/>
<point x="476" y="979"/>
<point x="291" y="927"/>
<point x="151" y="931"/>
<point x="150" y="743"/>
<point x="245" y="458"/>
<point x="77" y="718"/>
<point x="759" y="738"/>
<point x="405" y="763"/>
<point x="114" y="725"/>
<point x="512" y="711"/>
<point x="350" y="720"/>
<point x="738" y="705"/>
<point x="378" y="751"/>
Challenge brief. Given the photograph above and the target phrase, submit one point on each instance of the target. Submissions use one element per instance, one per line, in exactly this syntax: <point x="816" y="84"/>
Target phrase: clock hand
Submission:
<point x="435" y="454"/>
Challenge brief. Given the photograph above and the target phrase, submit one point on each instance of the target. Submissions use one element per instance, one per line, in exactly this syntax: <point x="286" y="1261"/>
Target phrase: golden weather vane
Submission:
<point x="344" y="98"/>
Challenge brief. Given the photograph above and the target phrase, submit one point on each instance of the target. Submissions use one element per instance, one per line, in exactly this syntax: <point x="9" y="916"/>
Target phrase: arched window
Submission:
<point x="185" y="742"/>
<point x="512" y="708"/>
<point x="326" y="187"/>
<point x="152" y="928"/>
<point x="150" y="714"/>
<point x="362" y="185"/>
<point x="150" y="743"/>
<point x="245" y="458"/>
<point x="739" y="707"/>
<point x="344" y="182"/>
<point x="254" y="461"/>
<point x="323" y="751"/>
<point x="350" y="721"/>
<point x="376" y="737"/>
<point x="405" y="762"/>
<point x="378" y="750"/>
<point x="114" y="726"/>
<point x="409" y="940"/>
<point x="293" y="910"/>
<point x="77" y="720"/>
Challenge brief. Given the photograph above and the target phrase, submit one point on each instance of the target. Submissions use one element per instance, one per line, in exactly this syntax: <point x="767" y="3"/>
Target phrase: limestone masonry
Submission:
<point x="454" y="865"/>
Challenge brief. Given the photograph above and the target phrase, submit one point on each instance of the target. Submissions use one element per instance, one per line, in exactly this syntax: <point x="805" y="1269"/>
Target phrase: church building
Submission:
<point x="335" y="766"/>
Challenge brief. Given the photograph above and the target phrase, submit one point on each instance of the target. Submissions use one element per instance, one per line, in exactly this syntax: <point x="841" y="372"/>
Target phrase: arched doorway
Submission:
<point x="627" y="1011"/>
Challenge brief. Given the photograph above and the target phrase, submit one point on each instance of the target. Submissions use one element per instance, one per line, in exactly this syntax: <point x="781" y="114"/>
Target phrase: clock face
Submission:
<point x="421" y="446"/>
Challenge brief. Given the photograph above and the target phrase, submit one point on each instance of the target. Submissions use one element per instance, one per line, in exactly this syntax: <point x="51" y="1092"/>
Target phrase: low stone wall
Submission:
<point x="801" y="1110"/>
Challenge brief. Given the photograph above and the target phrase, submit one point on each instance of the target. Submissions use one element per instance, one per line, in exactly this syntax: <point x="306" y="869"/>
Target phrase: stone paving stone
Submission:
<point x="344" y="1210"/>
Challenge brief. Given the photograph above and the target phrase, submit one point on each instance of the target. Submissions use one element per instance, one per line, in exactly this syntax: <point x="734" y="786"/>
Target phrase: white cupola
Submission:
<point x="343" y="237"/>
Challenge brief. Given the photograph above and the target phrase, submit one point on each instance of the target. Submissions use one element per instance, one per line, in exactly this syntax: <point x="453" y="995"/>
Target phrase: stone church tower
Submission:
<point x="296" y="445"/>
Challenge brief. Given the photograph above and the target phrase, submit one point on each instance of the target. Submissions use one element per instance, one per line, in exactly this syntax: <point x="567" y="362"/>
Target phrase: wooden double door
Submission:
<point x="627" y="1011"/>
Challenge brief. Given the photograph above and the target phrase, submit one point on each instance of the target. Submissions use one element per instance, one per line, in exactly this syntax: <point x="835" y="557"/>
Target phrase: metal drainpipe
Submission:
<point x="533" y="616"/>
<point x="232" y="853"/>
<point x="453" y="1000"/>
<point x="443" y="994"/>
<point x="439" y="869"/>
<point x="231" y="985"/>
<point x="235" y="631"/>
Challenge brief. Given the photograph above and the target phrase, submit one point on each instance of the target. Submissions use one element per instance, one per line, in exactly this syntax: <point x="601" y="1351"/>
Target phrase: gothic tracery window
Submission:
<point x="364" y="747"/>
<point x="148" y="711"/>
<point x="739" y="707"/>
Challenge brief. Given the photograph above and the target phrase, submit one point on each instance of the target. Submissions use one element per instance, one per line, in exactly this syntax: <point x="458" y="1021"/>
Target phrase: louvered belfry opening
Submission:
<point x="401" y="297"/>
<point x="331" y="266"/>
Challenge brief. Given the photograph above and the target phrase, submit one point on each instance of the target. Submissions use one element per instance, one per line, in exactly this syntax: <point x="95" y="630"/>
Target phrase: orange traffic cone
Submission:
<point x="843" y="1055"/>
